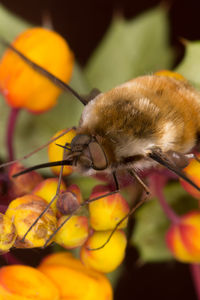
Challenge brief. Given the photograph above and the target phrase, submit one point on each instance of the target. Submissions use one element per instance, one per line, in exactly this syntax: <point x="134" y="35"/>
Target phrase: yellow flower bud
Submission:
<point x="193" y="172"/>
<point x="108" y="258"/>
<point x="74" y="188"/>
<point x="106" y="212"/>
<point x="7" y="233"/>
<point x="74" y="233"/>
<point x="55" y="152"/>
<point x="18" y="282"/>
<point x="22" y="86"/>
<point x="183" y="239"/>
<point x="170" y="74"/>
<point x="23" y="212"/>
<point x="74" y="280"/>
<point x="47" y="190"/>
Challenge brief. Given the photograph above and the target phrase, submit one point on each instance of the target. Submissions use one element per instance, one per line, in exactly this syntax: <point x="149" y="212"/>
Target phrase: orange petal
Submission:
<point x="169" y="73"/>
<point x="20" y="282"/>
<point x="74" y="280"/>
<point x="21" y="85"/>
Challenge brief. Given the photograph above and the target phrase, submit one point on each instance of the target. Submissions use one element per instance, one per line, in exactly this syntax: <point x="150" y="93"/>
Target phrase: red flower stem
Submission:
<point x="3" y="208"/>
<point x="195" y="271"/>
<point x="10" y="132"/>
<point x="11" y="259"/>
<point x="157" y="182"/>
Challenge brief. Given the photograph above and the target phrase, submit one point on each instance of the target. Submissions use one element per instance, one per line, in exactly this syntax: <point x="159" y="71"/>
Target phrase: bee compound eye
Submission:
<point x="85" y="162"/>
<point x="98" y="156"/>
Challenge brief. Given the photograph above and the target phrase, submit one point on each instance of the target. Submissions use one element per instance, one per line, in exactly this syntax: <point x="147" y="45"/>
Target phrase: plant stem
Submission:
<point x="158" y="183"/>
<point x="10" y="131"/>
<point x="195" y="271"/>
<point x="11" y="259"/>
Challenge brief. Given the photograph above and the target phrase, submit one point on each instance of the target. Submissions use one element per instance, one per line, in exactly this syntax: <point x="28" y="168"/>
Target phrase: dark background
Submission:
<point x="83" y="23"/>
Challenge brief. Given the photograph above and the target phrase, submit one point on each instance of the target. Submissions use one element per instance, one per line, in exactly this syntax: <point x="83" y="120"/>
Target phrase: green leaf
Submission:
<point x="115" y="276"/>
<point x="10" y="25"/>
<point x="131" y="48"/>
<point x="190" y="65"/>
<point x="152" y="224"/>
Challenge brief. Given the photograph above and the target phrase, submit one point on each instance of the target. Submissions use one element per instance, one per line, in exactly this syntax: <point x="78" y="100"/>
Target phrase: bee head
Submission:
<point x="87" y="153"/>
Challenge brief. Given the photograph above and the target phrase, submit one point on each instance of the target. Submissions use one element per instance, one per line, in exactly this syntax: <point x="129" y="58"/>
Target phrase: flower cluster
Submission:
<point x="65" y="214"/>
<point x="39" y="213"/>
<point x="59" y="276"/>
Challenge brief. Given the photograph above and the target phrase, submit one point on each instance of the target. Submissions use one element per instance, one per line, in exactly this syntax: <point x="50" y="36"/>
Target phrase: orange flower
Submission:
<point x="22" y="86"/>
<point x="74" y="280"/>
<point x="193" y="172"/>
<point x="170" y="74"/>
<point x="183" y="239"/>
<point x="20" y="282"/>
<point x="55" y="152"/>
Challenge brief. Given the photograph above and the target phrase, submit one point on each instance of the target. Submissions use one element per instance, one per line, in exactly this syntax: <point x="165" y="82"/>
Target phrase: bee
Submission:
<point x="148" y="121"/>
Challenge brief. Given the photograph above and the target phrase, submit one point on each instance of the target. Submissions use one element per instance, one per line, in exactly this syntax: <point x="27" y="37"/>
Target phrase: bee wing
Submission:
<point x="94" y="92"/>
<point x="167" y="160"/>
<point x="55" y="80"/>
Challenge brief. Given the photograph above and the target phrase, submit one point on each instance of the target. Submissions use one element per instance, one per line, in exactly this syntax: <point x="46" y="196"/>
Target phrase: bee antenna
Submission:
<point x="65" y="147"/>
<point x="37" y="149"/>
<point x="63" y="162"/>
<point x="58" y="82"/>
<point x="161" y="160"/>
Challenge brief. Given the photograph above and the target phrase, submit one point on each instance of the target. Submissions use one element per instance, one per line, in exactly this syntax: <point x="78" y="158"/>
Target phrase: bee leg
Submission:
<point x="36" y="150"/>
<point x="60" y="226"/>
<point x="141" y="182"/>
<point x="92" y="200"/>
<point x="94" y="92"/>
<point x="173" y="163"/>
<point x="69" y="217"/>
<point x="144" y="198"/>
<point x="49" y="204"/>
<point x="115" y="180"/>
